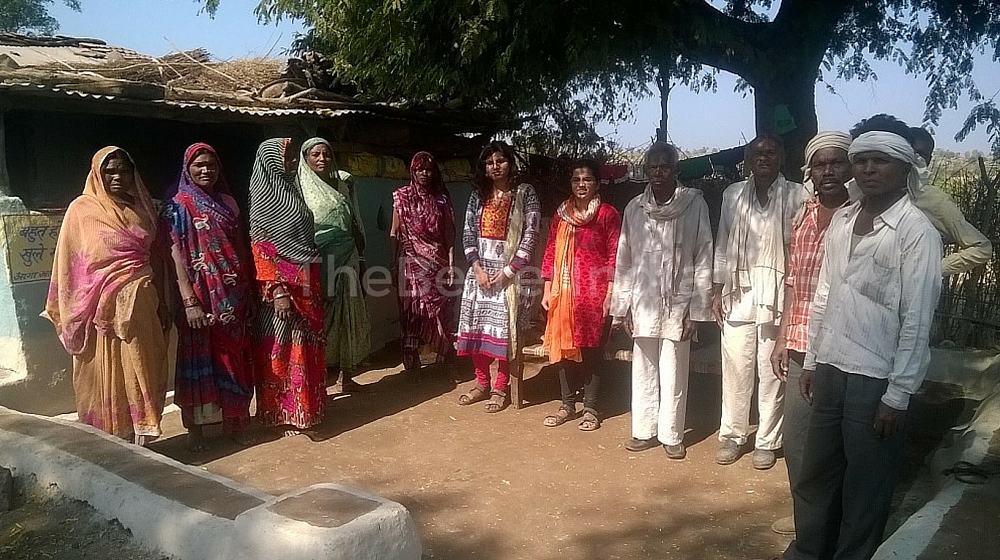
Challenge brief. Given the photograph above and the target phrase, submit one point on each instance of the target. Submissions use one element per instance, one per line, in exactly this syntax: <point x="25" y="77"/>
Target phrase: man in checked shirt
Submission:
<point x="827" y="171"/>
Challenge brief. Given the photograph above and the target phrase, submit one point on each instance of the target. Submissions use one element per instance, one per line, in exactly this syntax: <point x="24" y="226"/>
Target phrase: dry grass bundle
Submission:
<point x="248" y="74"/>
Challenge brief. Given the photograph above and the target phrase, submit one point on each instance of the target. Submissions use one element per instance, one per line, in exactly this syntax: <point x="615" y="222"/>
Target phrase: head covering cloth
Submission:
<point x="104" y="244"/>
<point x="332" y="215"/>
<point x="896" y="147"/>
<point x="279" y="217"/>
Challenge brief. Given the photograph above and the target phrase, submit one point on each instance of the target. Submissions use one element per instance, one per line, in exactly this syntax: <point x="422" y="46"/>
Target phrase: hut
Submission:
<point x="63" y="98"/>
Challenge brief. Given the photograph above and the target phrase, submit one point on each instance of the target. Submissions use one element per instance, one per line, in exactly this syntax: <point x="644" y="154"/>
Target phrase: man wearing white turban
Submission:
<point x="827" y="171"/>
<point x="868" y="352"/>
<point x="751" y="251"/>
<point x="973" y="248"/>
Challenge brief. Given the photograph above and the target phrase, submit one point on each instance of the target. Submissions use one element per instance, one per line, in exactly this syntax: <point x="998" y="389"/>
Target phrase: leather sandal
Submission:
<point x="561" y="416"/>
<point x="590" y="421"/>
<point x="497" y="402"/>
<point x="476" y="394"/>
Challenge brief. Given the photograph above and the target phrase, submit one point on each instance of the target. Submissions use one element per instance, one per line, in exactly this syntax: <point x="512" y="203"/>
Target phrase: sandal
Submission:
<point x="561" y="416"/>
<point x="590" y="421"/>
<point x="497" y="402"/>
<point x="476" y="394"/>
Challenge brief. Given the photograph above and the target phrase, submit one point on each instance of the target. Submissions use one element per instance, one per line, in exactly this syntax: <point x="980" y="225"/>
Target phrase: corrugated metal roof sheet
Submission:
<point x="243" y="110"/>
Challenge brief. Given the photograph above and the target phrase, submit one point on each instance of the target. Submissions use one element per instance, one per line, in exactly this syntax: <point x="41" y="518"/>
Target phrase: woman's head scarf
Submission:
<point x="277" y="212"/>
<point x="104" y="244"/>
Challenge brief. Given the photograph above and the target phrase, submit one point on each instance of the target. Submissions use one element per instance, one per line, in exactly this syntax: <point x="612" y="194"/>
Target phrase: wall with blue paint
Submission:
<point x="375" y="206"/>
<point x="35" y="370"/>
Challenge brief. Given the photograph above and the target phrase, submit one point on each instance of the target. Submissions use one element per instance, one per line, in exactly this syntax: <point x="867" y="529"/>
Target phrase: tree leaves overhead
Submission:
<point x="30" y="16"/>
<point x="522" y="55"/>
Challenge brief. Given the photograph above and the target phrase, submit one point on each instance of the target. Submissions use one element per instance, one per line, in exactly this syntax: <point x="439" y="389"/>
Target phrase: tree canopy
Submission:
<point x="524" y="56"/>
<point x="30" y="16"/>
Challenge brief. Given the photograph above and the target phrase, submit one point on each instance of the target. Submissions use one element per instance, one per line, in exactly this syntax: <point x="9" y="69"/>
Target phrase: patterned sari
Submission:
<point x="213" y="379"/>
<point x="426" y="235"/>
<point x="103" y="303"/>
<point x="288" y="356"/>
<point x="348" y="329"/>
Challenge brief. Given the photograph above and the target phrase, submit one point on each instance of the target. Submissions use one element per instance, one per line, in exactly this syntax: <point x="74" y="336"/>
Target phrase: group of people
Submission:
<point x="830" y="286"/>
<point x="255" y="311"/>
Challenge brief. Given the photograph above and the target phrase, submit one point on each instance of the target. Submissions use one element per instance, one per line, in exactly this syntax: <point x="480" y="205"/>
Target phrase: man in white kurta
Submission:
<point x="751" y="251"/>
<point x="663" y="282"/>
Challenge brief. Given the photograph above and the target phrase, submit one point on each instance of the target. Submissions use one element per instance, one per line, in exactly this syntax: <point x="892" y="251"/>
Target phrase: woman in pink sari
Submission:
<point x="107" y="310"/>
<point x="422" y="245"/>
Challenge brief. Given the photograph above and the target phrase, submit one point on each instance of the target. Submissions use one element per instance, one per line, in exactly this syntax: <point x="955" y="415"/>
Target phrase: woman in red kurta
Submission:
<point x="578" y="269"/>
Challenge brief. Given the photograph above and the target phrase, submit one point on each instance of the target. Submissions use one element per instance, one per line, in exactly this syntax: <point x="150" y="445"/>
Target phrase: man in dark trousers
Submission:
<point x="867" y="354"/>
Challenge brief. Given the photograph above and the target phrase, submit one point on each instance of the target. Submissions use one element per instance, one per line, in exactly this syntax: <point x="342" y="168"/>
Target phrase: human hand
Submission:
<point x="482" y="278"/>
<point x="498" y="279"/>
<point x="717" y="309"/>
<point x="688" y="328"/>
<point x="805" y="385"/>
<point x="888" y="421"/>
<point x="196" y="317"/>
<point x="546" y="301"/>
<point x="779" y="360"/>
<point x="620" y="323"/>
<point x="607" y="304"/>
<point x="283" y="307"/>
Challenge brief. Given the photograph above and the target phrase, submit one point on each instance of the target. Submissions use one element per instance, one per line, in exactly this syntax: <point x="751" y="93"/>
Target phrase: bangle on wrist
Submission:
<point x="281" y="296"/>
<point x="191" y="302"/>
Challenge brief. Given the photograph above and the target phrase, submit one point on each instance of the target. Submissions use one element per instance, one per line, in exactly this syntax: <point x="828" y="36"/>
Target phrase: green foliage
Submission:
<point x="522" y="55"/>
<point x="30" y="16"/>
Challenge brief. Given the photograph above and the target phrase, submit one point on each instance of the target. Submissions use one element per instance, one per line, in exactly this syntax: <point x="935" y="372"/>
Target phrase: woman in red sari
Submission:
<point x="213" y="380"/>
<point x="578" y="269"/>
<point x="289" y="342"/>
<point x="422" y="243"/>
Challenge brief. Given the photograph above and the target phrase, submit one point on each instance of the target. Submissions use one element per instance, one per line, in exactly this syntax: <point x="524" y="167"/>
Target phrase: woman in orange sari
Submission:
<point x="105" y="305"/>
<point x="578" y="269"/>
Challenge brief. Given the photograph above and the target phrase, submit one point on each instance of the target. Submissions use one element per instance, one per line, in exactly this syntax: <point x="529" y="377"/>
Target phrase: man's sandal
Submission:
<point x="590" y="421"/>
<point x="476" y="394"/>
<point x="497" y="402"/>
<point x="561" y="416"/>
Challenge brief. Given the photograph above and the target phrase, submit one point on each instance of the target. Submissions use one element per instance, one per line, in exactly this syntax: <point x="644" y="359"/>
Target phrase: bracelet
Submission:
<point x="191" y="302"/>
<point x="280" y="296"/>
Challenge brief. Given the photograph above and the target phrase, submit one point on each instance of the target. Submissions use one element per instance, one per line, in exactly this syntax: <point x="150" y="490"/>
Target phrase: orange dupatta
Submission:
<point x="558" y="339"/>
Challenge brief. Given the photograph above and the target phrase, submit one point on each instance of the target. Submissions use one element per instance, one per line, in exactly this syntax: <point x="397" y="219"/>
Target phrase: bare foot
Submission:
<point x="142" y="441"/>
<point x="246" y="438"/>
<point x="196" y="440"/>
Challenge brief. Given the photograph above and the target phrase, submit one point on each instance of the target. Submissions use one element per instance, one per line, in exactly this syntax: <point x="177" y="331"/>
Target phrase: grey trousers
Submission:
<point x="845" y="484"/>
<point x="796" y="423"/>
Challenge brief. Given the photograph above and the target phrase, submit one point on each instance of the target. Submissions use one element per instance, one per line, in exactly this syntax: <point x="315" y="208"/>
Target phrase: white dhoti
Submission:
<point x="659" y="388"/>
<point x="746" y="355"/>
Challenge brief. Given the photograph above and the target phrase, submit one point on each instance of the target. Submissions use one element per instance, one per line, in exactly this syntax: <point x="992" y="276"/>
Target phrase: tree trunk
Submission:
<point x="786" y="105"/>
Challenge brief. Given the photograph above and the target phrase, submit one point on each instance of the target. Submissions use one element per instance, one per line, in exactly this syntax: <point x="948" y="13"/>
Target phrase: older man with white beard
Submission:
<point x="663" y="282"/>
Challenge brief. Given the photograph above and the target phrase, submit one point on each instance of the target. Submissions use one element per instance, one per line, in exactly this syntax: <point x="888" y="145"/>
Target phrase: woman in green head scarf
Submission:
<point x="341" y="241"/>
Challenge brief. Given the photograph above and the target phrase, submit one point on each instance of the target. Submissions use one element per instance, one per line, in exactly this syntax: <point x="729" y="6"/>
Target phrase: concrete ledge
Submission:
<point x="191" y="514"/>
<point x="978" y="375"/>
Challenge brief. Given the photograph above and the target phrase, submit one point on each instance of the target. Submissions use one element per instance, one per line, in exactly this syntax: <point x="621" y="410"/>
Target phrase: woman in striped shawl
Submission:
<point x="288" y="360"/>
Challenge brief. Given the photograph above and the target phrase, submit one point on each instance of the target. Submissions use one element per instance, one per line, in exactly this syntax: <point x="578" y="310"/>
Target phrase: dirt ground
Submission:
<point x="503" y="486"/>
<point x="52" y="528"/>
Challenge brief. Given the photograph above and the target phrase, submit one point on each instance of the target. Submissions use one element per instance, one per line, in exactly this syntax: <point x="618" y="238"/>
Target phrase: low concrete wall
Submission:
<point x="35" y="371"/>
<point x="978" y="375"/>
<point x="191" y="514"/>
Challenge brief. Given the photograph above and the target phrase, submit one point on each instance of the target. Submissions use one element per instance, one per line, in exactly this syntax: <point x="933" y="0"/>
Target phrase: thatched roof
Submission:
<point x="89" y="67"/>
